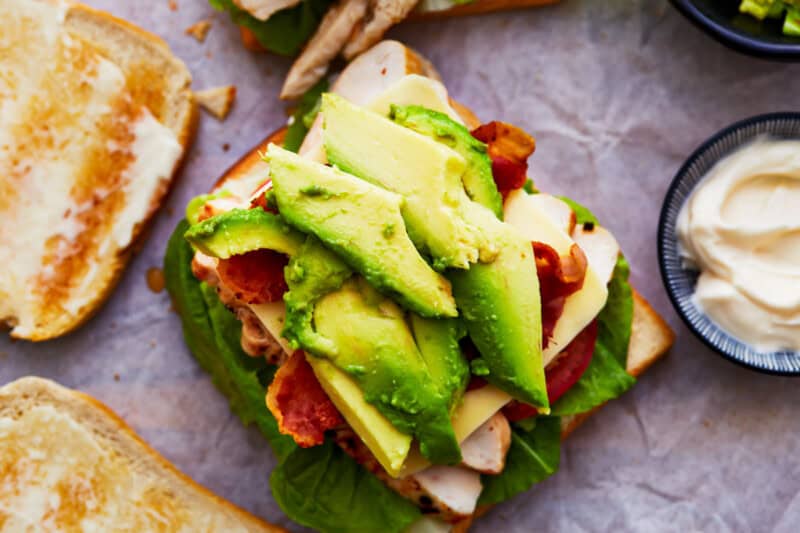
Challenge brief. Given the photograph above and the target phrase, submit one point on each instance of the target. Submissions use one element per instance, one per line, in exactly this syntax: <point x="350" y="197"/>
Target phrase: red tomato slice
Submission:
<point x="255" y="277"/>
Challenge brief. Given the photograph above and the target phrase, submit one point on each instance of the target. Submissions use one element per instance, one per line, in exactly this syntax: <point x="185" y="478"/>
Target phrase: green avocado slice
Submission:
<point x="340" y="317"/>
<point x="363" y="225"/>
<point x="499" y="299"/>
<point x="500" y="305"/>
<point x="478" y="179"/>
<point x="243" y="230"/>
<point x="425" y="173"/>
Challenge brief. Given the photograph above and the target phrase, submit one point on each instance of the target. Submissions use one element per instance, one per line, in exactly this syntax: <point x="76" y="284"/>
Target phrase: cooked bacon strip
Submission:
<point x="565" y="371"/>
<point x="299" y="404"/>
<point x="509" y="147"/>
<point x="559" y="277"/>
<point x="255" y="277"/>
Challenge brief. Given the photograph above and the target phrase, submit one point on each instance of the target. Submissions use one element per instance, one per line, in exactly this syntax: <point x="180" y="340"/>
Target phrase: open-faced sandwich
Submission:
<point x="322" y="30"/>
<point x="408" y="320"/>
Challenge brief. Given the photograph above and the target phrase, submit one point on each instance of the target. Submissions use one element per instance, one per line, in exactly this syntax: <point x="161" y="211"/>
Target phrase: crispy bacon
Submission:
<point x="562" y="374"/>
<point x="255" y="277"/>
<point x="509" y="148"/>
<point x="299" y="404"/>
<point x="559" y="277"/>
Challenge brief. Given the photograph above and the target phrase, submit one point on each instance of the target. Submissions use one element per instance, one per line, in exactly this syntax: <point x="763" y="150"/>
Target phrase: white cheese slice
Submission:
<point x="522" y="211"/>
<point x="415" y="90"/>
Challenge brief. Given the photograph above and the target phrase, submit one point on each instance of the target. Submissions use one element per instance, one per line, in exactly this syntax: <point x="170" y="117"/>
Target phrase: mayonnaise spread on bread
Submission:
<point x="81" y="164"/>
<point x="741" y="229"/>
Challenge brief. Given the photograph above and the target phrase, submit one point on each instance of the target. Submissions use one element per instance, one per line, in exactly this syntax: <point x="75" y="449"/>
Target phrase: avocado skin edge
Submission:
<point x="240" y="231"/>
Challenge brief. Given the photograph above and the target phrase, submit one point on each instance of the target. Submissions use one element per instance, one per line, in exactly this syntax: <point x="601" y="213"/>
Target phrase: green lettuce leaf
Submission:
<point x="304" y="115"/>
<point x="286" y="31"/>
<point x="212" y="334"/>
<point x="606" y="377"/>
<point x="534" y="456"/>
<point x="323" y="488"/>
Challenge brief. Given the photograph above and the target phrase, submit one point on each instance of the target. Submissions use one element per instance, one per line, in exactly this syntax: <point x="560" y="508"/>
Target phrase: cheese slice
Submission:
<point x="522" y="211"/>
<point x="415" y="90"/>
<point x="389" y="446"/>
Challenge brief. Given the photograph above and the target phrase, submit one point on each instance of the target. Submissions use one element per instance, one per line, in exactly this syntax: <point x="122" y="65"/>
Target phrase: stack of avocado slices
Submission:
<point x="398" y="253"/>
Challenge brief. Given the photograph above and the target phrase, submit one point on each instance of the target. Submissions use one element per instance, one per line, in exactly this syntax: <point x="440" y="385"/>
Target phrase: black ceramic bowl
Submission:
<point x="721" y="19"/>
<point x="680" y="282"/>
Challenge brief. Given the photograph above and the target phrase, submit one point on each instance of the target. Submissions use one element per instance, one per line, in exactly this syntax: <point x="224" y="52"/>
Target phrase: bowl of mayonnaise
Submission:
<point x="729" y="243"/>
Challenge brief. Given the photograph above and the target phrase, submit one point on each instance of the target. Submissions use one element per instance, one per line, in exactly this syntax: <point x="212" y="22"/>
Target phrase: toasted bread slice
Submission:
<point x="69" y="461"/>
<point x="428" y="10"/>
<point x="96" y="118"/>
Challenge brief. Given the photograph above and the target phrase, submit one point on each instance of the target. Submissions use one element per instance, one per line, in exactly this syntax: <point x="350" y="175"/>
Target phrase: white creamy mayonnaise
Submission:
<point x="741" y="229"/>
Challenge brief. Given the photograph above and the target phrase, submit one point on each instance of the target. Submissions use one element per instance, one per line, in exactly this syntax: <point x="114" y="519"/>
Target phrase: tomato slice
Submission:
<point x="561" y="376"/>
<point x="255" y="277"/>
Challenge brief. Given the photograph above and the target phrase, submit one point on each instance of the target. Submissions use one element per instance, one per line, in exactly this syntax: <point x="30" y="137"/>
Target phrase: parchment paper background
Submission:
<point x="617" y="93"/>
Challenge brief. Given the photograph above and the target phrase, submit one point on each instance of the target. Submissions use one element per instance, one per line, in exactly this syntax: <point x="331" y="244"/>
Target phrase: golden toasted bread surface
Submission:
<point x="88" y="148"/>
<point x="69" y="464"/>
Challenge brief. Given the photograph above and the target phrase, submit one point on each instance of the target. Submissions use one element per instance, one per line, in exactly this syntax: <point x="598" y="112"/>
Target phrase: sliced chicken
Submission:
<point x="324" y="46"/>
<point x="557" y="210"/>
<point x="369" y="75"/>
<point x="486" y="449"/>
<point x="452" y="489"/>
<point x="383" y="15"/>
<point x="599" y="246"/>
<point x="264" y="9"/>
<point x="449" y="493"/>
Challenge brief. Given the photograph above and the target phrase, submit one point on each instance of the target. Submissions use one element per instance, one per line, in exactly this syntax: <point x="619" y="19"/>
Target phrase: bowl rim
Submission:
<point x="749" y="45"/>
<point x="661" y="237"/>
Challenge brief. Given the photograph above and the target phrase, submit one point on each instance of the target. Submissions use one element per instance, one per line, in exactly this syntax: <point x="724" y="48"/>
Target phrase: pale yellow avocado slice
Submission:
<point x="426" y="173"/>
<point x="389" y="446"/>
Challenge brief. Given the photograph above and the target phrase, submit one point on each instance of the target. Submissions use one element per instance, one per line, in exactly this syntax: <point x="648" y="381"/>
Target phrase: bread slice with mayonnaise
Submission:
<point x="96" y="116"/>
<point x="70" y="464"/>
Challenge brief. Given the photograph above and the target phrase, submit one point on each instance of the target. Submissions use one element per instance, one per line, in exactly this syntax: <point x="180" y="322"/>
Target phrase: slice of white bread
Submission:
<point x="68" y="463"/>
<point x="96" y="116"/>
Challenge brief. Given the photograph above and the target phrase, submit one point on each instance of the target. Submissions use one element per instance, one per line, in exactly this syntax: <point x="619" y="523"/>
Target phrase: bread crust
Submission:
<point x="115" y="38"/>
<point x="479" y="7"/>
<point x="118" y="438"/>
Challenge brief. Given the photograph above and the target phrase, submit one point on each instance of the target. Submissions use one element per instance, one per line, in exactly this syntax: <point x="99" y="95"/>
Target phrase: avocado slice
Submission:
<point x="438" y="342"/>
<point x="426" y="173"/>
<point x="243" y="230"/>
<point x="334" y="315"/>
<point x="478" y="179"/>
<point x="362" y="223"/>
<point x="500" y="304"/>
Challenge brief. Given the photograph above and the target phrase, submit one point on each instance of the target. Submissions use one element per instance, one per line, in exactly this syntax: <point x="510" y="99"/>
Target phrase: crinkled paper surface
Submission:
<point x="617" y="93"/>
